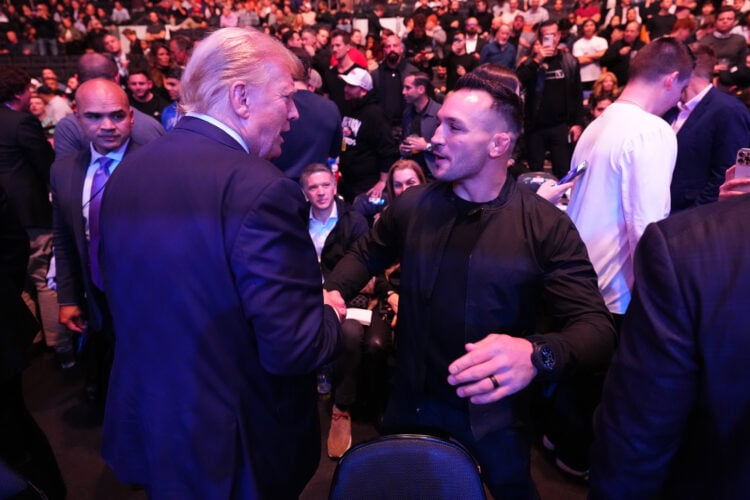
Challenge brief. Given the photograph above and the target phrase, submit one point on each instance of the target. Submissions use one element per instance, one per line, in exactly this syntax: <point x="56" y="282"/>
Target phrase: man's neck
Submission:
<point x="645" y="96"/>
<point x="421" y="103"/>
<point x="146" y="98"/>
<point x="695" y="87"/>
<point x="322" y="215"/>
<point x="487" y="187"/>
<point x="345" y="63"/>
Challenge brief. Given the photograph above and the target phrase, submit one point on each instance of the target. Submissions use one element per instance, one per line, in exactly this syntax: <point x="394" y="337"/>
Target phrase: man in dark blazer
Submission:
<point x="673" y="422"/>
<point x="106" y="119"/>
<point x="711" y="126"/>
<point x="25" y="159"/>
<point x="215" y="291"/>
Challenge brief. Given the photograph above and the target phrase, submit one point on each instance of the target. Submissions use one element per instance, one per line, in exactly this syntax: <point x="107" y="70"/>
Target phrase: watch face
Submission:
<point x="548" y="357"/>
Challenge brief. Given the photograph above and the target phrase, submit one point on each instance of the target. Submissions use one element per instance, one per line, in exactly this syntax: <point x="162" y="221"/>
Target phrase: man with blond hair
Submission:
<point x="215" y="291"/>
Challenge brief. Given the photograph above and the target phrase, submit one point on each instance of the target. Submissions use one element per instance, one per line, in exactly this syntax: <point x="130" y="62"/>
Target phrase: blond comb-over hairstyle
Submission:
<point x="226" y="56"/>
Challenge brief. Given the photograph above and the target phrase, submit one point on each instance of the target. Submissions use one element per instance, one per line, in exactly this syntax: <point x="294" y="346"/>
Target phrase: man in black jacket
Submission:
<point x="368" y="149"/>
<point x="618" y="55"/>
<point x="496" y="290"/>
<point x="25" y="159"/>
<point x="554" y="109"/>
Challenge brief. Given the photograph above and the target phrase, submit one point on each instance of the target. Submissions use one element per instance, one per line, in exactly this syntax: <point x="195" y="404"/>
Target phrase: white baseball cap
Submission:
<point x="358" y="77"/>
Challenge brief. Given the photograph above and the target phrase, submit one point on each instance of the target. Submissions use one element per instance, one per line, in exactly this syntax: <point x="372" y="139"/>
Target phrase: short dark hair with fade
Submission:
<point x="343" y="34"/>
<point x="504" y="100"/>
<point x="13" y="81"/>
<point x="422" y="80"/>
<point x="660" y="58"/>
<point x="314" y="168"/>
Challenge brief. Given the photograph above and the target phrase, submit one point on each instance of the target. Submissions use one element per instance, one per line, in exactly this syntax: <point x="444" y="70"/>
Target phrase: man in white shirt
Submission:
<point x="588" y="50"/>
<point x="631" y="154"/>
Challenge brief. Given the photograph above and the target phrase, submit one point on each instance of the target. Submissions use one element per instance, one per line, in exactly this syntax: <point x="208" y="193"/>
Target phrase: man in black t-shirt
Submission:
<point x="142" y="98"/>
<point x="554" y="107"/>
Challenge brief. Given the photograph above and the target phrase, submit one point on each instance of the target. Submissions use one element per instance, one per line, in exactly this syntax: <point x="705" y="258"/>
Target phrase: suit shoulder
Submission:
<point x="724" y="217"/>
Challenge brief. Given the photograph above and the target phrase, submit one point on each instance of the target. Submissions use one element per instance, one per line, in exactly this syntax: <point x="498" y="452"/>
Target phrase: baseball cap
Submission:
<point x="358" y="77"/>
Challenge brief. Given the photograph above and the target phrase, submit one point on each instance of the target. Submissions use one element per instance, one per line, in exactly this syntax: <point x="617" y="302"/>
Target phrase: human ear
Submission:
<point x="500" y="144"/>
<point x="238" y="99"/>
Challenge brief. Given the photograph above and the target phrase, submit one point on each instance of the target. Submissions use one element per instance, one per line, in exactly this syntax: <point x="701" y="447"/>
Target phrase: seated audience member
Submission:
<point x="134" y="43"/>
<point x="597" y="105"/>
<point x="605" y="86"/>
<point x="180" y="48"/>
<point x="155" y="29"/>
<point x="673" y="418"/>
<point x="69" y="37"/>
<point x="159" y="63"/>
<point x="120" y="14"/>
<point x="333" y="228"/>
<point x="142" y="95"/>
<point x="171" y="114"/>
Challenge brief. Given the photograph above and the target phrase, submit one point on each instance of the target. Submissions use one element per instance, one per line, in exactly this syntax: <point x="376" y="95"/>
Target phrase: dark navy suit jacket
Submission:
<point x="73" y="278"/>
<point x="673" y="421"/>
<point x="707" y="145"/>
<point x="215" y="293"/>
<point x="25" y="159"/>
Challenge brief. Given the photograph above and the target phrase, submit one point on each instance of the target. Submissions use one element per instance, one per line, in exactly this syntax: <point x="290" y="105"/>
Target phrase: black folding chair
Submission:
<point x="407" y="466"/>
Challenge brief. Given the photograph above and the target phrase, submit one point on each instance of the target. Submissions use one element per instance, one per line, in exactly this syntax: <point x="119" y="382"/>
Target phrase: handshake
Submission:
<point x="334" y="299"/>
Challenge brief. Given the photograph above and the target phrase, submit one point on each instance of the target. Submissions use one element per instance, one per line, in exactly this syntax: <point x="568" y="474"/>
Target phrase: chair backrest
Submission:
<point x="407" y="466"/>
<point x="12" y="485"/>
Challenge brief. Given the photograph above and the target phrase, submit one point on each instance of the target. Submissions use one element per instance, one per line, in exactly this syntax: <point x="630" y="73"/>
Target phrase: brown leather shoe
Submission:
<point x="340" y="433"/>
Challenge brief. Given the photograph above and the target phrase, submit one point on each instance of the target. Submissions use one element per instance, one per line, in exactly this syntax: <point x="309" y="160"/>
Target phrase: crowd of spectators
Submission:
<point x="442" y="39"/>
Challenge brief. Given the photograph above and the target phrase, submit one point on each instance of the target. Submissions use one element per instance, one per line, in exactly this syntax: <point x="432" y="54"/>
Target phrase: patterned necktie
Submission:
<point x="95" y="205"/>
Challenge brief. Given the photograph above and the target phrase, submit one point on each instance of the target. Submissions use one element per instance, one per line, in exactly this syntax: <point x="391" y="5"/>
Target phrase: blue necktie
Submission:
<point x="95" y="205"/>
